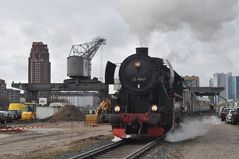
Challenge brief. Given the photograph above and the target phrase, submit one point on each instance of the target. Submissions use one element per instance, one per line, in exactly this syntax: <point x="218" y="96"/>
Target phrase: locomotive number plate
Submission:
<point x="138" y="79"/>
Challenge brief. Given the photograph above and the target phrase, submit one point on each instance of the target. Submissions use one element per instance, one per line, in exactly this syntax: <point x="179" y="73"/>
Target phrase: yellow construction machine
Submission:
<point x="101" y="115"/>
<point x="26" y="110"/>
<point x="30" y="113"/>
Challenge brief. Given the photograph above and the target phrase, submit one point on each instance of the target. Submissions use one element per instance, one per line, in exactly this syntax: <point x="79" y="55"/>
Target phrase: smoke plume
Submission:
<point x="202" y="18"/>
<point x="192" y="128"/>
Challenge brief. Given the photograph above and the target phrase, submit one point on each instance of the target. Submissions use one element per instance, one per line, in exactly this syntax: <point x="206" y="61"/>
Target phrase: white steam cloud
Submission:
<point x="116" y="139"/>
<point x="202" y="18"/>
<point x="192" y="128"/>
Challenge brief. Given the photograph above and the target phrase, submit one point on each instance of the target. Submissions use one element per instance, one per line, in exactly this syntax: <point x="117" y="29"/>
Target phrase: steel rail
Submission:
<point x="98" y="150"/>
<point x="143" y="149"/>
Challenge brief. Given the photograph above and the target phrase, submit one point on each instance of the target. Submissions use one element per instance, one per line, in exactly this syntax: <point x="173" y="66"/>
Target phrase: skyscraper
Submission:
<point x="229" y="82"/>
<point x="237" y="87"/>
<point x="234" y="87"/>
<point x="221" y="80"/>
<point x="39" y="67"/>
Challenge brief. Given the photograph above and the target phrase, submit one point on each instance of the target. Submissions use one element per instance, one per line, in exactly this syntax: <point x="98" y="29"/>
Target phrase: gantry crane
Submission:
<point x="87" y="50"/>
<point x="79" y="60"/>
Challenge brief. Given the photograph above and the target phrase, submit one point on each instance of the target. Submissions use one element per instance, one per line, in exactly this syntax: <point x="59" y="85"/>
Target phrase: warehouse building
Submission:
<point x="13" y="95"/>
<point x="79" y="99"/>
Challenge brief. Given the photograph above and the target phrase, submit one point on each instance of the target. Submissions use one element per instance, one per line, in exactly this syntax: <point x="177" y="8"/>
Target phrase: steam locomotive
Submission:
<point x="149" y="101"/>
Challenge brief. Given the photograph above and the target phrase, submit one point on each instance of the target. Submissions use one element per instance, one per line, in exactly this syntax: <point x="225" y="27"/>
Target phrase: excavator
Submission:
<point x="101" y="115"/>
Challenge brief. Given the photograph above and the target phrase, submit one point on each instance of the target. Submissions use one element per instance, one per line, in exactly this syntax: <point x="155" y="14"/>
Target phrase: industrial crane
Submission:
<point x="79" y="71"/>
<point x="79" y="60"/>
<point x="87" y="50"/>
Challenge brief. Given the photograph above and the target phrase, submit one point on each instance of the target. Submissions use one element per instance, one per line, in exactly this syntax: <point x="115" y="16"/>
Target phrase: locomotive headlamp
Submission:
<point x="154" y="108"/>
<point x="137" y="64"/>
<point x="117" y="108"/>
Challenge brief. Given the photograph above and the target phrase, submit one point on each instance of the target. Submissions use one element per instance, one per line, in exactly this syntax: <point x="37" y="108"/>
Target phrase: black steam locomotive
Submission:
<point x="150" y="99"/>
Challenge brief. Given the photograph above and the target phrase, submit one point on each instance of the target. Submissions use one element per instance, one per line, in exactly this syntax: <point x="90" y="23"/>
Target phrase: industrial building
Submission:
<point x="190" y="100"/>
<point x="3" y="94"/>
<point x="3" y="89"/>
<point x="191" y="81"/>
<point x="7" y="95"/>
<point x="80" y="99"/>
<point x="39" y="84"/>
<point x="13" y="95"/>
<point x="193" y="95"/>
<point x="39" y="67"/>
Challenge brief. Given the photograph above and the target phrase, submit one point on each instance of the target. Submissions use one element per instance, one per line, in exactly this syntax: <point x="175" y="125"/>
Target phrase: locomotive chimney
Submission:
<point x="142" y="51"/>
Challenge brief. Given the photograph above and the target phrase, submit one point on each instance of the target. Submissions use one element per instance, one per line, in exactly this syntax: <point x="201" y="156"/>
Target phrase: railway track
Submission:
<point x="126" y="149"/>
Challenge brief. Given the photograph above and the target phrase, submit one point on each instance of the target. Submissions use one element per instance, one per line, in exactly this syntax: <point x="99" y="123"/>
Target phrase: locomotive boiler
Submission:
<point x="149" y="101"/>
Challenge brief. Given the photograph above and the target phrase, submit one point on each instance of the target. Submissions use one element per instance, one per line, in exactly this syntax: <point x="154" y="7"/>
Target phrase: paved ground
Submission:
<point x="204" y="138"/>
<point x="219" y="141"/>
<point x="54" y="137"/>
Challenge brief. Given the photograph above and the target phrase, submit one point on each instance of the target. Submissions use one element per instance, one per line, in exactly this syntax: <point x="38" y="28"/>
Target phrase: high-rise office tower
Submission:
<point x="229" y="82"/>
<point x="221" y="80"/>
<point x="233" y="87"/>
<point x="39" y="67"/>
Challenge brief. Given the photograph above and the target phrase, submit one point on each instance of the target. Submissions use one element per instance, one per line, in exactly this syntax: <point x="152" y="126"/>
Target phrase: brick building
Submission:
<point x="39" y="67"/>
<point x="3" y="94"/>
<point x="13" y="95"/>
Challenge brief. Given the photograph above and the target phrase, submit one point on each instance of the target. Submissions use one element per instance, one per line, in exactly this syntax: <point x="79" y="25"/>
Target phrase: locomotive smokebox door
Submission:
<point x="137" y="72"/>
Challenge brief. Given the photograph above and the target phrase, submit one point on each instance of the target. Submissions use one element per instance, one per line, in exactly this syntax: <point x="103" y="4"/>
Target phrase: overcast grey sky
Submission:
<point x="197" y="37"/>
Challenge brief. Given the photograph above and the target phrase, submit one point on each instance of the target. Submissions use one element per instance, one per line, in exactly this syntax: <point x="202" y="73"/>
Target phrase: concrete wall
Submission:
<point x="45" y="112"/>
